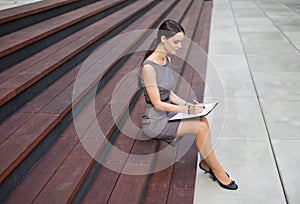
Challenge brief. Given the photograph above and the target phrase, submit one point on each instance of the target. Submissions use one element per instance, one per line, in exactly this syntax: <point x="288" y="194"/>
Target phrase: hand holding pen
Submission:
<point x="199" y="103"/>
<point x="197" y="108"/>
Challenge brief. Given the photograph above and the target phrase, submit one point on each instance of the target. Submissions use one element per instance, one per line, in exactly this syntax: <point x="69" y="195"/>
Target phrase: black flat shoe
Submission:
<point x="231" y="186"/>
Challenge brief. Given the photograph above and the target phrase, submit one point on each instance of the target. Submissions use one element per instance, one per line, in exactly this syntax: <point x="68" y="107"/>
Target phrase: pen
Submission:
<point x="197" y="102"/>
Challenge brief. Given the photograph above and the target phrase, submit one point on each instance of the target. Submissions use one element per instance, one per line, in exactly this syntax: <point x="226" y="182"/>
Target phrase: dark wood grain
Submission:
<point x="42" y="173"/>
<point x="30" y="9"/>
<point x="18" y="145"/>
<point x="13" y="123"/>
<point x="31" y="34"/>
<point x="89" y="163"/>
<point x="19" y="81"/>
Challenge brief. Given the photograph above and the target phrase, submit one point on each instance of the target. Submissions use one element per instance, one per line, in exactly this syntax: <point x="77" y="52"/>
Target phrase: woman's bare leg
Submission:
<point x="200" y="128"/>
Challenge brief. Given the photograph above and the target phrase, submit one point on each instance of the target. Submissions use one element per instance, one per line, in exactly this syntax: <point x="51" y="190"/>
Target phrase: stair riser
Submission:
<point x="14" y="25"/>
<point x="24" y="53"/>
<point x="21" y="171"/>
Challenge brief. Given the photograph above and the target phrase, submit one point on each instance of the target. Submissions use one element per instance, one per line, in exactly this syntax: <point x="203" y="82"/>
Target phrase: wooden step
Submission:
<point x="16" y="18"/>
<point x="135" y="184"/>
<point x="104" y="119"/>
<point x="63" y="108"/>
<point x="17" y="156"/>
<point x="67" y="169"/>
<point x="36" y="69"/>
<point x="30" y="9"/>
<point x="134" y="195"/>
<point x="32" y="39"/>
<point x="176" y="184"/>
<point x="137" y="25"/>
<point x="17" y="40"/>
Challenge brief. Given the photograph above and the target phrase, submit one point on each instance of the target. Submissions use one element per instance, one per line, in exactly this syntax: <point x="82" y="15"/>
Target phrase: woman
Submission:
<point x="161" y="103"/>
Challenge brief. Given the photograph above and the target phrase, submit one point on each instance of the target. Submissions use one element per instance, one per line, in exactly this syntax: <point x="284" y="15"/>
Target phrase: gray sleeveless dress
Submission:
<point x="155" y="122"/>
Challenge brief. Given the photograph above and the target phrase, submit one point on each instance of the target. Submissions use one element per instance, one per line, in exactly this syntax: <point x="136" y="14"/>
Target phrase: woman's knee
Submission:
<point x="203" y="125"/>
<point x="197" y="127"/>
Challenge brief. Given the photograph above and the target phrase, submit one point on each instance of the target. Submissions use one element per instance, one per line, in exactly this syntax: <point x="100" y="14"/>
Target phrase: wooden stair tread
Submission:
<point x="134" y="183"/>
<point x="65" y="166"/>
<point x="117" y="198"/>
<point x="179" y="187"/>
<point x="44" y="98"/>
<point x="30" y="9"/>
<point x="71" y="169"/>
<point x="16" y="147"/>
<point x="68" y="103"/>
<point x="40" y="175"/>
<point x="46" y="65"/>
<point x="14" y="122"/>
<point x="136" y="193"/>
<point x="108" y="126"/>
<point x="31" y="34"/>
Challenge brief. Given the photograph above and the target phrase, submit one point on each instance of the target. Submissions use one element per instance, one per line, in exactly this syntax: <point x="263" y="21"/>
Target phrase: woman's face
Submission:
<point x="173" y="44"/>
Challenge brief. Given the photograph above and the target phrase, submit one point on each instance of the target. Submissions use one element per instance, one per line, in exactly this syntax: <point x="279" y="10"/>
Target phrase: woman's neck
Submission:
<point x="159" y="55"/>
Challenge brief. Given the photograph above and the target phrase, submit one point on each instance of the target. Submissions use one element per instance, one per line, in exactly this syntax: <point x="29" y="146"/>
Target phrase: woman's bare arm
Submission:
<point x="175" y="99"/>
<point x="149" y="77"/>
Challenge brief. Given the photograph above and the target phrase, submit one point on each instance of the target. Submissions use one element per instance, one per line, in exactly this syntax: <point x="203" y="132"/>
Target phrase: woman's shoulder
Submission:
<point x="148" y="68"/>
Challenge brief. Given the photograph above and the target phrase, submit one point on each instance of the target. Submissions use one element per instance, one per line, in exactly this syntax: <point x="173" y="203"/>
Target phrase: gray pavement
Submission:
<point x="5" y="4"/>
<point x="254" y="72"/>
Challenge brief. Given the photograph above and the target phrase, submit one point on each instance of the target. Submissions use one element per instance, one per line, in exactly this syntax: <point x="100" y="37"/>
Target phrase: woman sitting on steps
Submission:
<point x="161" y="104"/>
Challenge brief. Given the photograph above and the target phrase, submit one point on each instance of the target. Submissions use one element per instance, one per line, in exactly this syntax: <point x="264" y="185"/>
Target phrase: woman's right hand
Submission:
<point x="197" y="108"/>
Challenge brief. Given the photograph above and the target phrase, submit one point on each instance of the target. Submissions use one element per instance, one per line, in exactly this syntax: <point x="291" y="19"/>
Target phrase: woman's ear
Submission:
<point x="163" y="39"/>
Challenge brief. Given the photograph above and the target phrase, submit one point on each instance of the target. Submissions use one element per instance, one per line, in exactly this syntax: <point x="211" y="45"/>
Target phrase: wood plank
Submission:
<point x="19" y="39"/>
<point x="66" y="97"/>
<point x="30" y="9"/>
<point x="46" y="65"/>
<point x="6" y="94"/>
<point x="53" y="181"/>
<point x="119" y="193"/>
<point x="207" y="11"/>
<point x="134" y="183"/>
<point x="61" y="104"/>
<point x="183" y="182"/>
<point x="71" y="173"/>
<point x="105" y="179"/>
<point x="181" y="195"/>
<point x="100" y="190"/>
<point x="44" y="98"/>
<point x="46" y="168"/>
<point x="20" y="67"/>
<point x="41" y="174"/>
<point x="93" y="194"/>
<point x="204" y="44"/>
<point x="18" y="146"/>
<point x="160" y="182"/>
<point x="65" y="180"/>
<point x="185" y="170"/>
<point x="27" y="63"/>
<point x="181" y="192"/>
<point x="157" y="194"/>
<point x="13" y="123"/>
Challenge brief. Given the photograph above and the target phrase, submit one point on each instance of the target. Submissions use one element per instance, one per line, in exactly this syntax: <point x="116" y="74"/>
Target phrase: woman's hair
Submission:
<point x="168" y="28"/>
